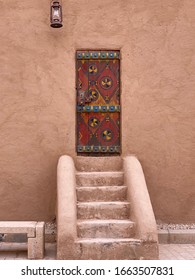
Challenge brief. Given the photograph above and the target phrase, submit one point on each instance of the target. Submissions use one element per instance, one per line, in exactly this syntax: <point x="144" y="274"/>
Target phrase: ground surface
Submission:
<point x="167" y="251"/>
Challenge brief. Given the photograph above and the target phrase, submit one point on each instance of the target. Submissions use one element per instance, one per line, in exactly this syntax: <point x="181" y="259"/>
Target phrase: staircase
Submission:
<point x="104" y="228"/>
<point x="104" y="210"/>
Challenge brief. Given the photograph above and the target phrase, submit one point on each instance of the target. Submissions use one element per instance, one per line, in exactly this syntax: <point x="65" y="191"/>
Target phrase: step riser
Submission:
<point x="102" y="194"/>
<point x="106" y="230"/>
<point x="99" y="163"/>
<point x="107" y="251"/>
<point x="103" y="212"/>
<point x="99" y="179"/>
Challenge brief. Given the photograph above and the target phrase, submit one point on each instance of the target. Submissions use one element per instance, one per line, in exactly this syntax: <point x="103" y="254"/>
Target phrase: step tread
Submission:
<point x="108" y="240"/>
<point x="109" y="221"/>
<point x="97" y="203"/>
<point x="95" y="173"/>
<point x="100" y="187"/>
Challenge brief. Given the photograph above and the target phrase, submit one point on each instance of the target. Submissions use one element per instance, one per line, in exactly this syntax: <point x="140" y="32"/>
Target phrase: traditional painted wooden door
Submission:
<point x="98" y="102"/>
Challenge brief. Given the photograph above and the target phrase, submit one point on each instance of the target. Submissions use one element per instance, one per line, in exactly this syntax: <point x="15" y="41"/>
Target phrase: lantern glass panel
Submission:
<point x="56" y="14"/>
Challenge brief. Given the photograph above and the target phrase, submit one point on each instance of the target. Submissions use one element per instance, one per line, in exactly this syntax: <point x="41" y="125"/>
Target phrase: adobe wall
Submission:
<point x="37" y="92"/>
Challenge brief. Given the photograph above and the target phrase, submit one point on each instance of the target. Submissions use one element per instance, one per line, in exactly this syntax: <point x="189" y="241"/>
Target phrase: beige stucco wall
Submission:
<point x="37" y="93"/>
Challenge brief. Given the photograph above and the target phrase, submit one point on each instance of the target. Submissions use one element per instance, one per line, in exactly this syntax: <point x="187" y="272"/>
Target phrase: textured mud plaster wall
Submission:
<point x="37" y="91"/>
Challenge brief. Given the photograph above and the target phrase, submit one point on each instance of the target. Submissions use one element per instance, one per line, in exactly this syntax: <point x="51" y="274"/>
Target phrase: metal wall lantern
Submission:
<point x="56" y="14"/>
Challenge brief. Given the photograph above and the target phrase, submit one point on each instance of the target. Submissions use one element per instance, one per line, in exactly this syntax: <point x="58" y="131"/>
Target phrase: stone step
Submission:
<point x="103" y="210"/>
<point x="105" y="228"/>
<point x="111" y="178"/>
<point x="103" y="193"/>
<point x="88" y="164"/>
<point x="108" y="248"/>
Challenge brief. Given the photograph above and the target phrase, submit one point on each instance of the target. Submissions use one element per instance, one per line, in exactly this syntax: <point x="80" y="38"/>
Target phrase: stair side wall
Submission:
<point x="66" y="208"/>
<point x="141" y="208"/>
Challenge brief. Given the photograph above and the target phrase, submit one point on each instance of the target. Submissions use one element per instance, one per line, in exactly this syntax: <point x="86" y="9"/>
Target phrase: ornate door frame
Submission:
<point x="98" y="103"/>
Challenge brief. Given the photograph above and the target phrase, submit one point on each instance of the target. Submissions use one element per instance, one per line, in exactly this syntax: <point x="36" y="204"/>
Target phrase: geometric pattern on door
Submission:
<point x="98" y="102"/>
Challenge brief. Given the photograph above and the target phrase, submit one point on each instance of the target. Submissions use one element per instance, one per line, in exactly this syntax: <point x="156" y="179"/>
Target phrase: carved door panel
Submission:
<point x="98" y="102"/>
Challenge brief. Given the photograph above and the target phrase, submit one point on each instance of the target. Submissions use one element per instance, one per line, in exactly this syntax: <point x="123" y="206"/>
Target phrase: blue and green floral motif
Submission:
<point x="98" y="55"/>
<point x="97" y="149"/>
<point x="81" y="108"/>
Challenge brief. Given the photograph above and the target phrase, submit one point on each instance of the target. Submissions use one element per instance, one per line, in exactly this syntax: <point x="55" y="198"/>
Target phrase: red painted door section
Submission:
<point x="98" y="102"/>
